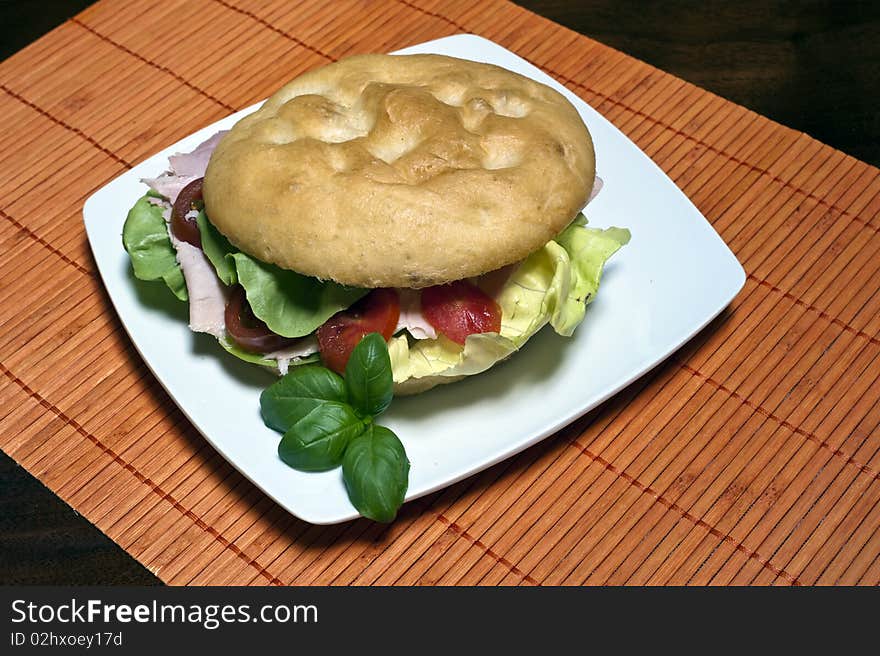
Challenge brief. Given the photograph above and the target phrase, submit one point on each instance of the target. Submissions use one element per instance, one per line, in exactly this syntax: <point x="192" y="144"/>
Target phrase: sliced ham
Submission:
<point x="195" y="163"/>
<point x="169" y="184"/>
<point x="411" y="318"/>
<point x="597" y="187"/>
<point x="207" y="295"/>
<point x="302" y="348"/>
<point x="185" y="167"/>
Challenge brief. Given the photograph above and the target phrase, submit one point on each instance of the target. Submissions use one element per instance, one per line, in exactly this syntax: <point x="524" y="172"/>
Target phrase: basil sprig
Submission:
<point x="328" y="421"/>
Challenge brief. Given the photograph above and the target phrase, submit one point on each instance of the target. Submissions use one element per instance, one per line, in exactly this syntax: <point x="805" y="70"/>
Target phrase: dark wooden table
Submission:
<point x="814" y="66"/>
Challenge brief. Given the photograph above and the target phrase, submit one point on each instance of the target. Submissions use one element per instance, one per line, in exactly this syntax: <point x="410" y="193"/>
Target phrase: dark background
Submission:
<point x="813" y="66"/>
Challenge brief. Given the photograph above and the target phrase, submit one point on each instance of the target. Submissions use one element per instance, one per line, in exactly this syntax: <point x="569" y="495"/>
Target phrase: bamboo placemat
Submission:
<point x="751" y="456"/>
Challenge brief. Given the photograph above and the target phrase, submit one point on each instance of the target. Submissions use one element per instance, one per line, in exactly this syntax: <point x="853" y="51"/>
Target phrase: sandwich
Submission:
<point x="433" y="200"/>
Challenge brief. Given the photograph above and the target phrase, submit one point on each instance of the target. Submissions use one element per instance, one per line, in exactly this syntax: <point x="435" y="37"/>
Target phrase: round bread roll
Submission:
<point x="401" y="171"/>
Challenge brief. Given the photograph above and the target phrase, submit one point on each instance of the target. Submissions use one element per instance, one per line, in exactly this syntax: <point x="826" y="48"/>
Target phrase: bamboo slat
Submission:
<point x="752" y="456"/>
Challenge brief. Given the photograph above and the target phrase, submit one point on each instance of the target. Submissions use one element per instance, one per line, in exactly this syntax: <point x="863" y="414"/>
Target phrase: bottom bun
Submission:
<point x="419" y="385"/>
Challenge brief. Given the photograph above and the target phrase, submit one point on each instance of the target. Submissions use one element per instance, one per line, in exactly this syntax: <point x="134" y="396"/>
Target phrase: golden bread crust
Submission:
<point x="401" y="171"/>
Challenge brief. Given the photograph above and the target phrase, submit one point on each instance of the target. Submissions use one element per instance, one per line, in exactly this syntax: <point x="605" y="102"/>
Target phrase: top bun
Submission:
<point x="401" y="171"/>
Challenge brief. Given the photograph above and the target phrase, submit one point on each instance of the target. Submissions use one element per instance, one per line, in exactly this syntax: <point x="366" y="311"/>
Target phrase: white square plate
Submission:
<point x="668" y="283"/>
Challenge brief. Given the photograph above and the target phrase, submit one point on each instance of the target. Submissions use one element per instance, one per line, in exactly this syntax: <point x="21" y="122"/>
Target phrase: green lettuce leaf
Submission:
<point x="145" y="238"/>
<point x="255" y="358"/>
<point x="556" y="283"/>
<point x="444" y="358"/>
<point x="216" y="247"/>
<point x="553" y="285"/>
<point x="247" y="356"/>
<point x="291" y="304"/>
<point x="588" y="249"/>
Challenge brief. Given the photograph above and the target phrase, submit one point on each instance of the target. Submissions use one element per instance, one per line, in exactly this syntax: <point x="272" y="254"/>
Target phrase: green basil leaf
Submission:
<point x="216" y="247"/>
<point x="368" y="376"/>
<point x="375" y="470"/>
<point x="291" y="304"/>
<point x="317" y="441"/>
<point x="145" y="237"/>
<point x="296" y="394"/>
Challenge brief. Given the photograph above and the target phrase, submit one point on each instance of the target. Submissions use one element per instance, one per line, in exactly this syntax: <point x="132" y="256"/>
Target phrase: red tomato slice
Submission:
<point x="246" y="330"/>
<point x="189" y="198"/>
<point x="377" y="312"/>
<point x="460" y="309"/>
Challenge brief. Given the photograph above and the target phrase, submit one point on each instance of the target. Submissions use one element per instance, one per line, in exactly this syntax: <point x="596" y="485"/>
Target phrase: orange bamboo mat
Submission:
<point x="749" y="457"/>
